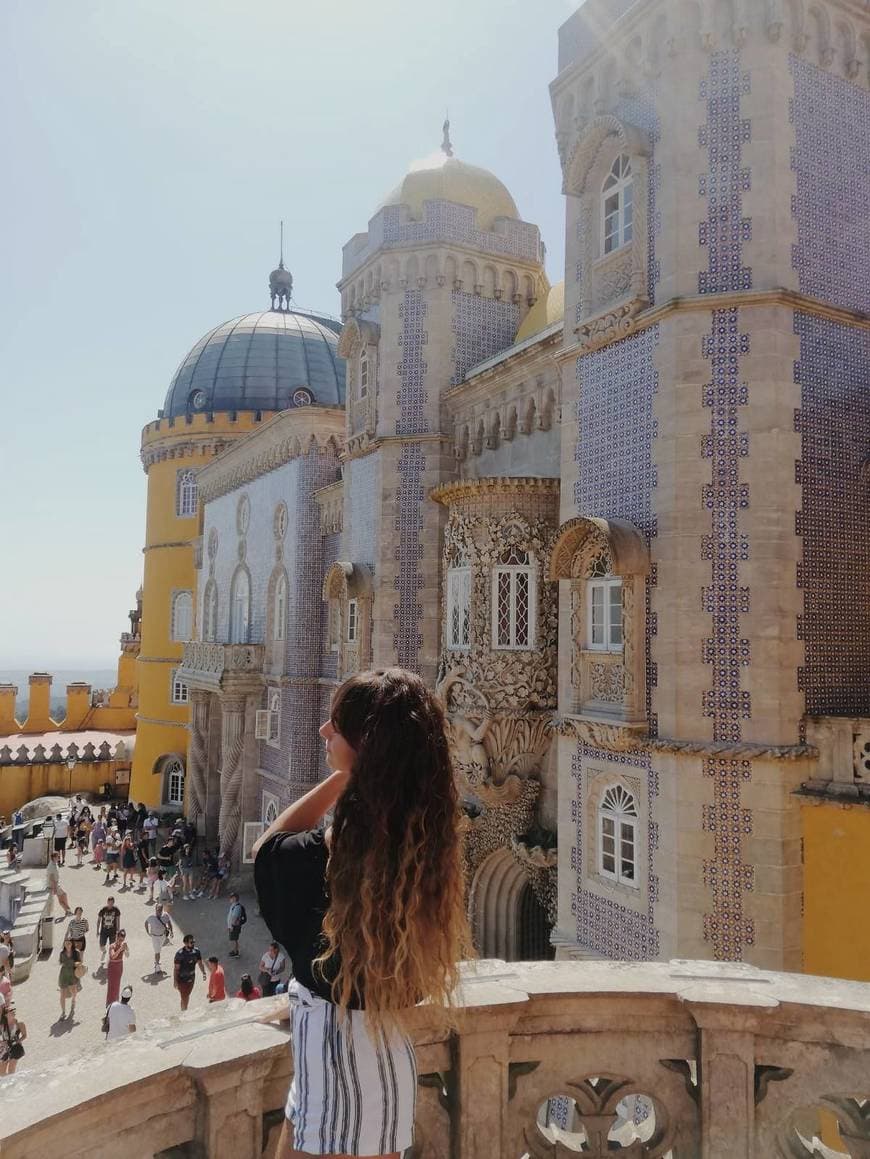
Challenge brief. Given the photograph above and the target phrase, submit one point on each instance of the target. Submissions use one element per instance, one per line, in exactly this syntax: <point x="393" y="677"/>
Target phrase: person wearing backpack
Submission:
<point x="236" y="918"/>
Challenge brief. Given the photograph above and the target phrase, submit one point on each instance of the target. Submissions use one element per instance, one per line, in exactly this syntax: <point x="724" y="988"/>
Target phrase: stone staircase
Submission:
<point x="23" y="908"/>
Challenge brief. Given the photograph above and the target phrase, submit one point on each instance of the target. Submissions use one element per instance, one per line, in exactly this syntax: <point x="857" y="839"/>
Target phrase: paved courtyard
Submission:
<point x="154" y="997"/>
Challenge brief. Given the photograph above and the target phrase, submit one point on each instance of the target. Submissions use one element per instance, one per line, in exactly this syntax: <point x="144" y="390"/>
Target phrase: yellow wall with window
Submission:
<point x="836" y="888"/>
<point x="170" y="447"/>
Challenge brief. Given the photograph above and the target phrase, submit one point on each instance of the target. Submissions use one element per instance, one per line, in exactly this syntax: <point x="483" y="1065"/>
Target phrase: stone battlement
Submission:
<point x="683" y="1058"/>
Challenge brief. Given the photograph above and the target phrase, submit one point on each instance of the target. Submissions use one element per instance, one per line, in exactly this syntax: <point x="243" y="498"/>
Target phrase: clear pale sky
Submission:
<point x="150" y="148"/>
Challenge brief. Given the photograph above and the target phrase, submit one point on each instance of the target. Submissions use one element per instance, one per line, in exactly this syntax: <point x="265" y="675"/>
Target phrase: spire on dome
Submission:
<point x="446" y="146"/>
<point x="281" y="281"/>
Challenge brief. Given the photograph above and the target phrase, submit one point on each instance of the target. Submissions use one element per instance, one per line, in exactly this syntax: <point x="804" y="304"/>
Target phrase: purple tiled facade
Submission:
<point x="481" y="327"/>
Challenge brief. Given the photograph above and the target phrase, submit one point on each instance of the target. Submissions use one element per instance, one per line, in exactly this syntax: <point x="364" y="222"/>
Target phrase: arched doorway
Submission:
<point x="507" y="920"/>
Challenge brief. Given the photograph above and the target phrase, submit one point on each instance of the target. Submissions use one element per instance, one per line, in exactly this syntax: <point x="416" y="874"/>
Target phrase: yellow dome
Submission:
<point x="544" y="313"/>
<point x="444" y="178"/>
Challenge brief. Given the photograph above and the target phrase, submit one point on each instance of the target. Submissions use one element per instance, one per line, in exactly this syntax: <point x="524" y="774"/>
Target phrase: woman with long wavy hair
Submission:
<point x="371" y="911"/>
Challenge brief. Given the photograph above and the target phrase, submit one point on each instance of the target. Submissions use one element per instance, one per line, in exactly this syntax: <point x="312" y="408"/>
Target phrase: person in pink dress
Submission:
<point x="118" y="951"/>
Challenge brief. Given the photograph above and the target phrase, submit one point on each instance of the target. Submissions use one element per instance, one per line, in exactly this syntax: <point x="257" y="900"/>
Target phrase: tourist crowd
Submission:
<point x="125" y="843"/>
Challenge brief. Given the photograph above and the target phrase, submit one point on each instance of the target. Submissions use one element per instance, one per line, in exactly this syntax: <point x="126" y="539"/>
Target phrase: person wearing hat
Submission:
<point x="120" y="1017"/>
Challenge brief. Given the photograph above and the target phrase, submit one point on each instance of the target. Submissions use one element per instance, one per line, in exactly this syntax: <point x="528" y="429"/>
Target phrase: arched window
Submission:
<point x="279" y="609"/>
<point x="173" y="775"/>
<point x="210" y="611"/>
<point x="617" y="836"/>
<point x="617" y="206"/>
<point x="182" y="616"/>
<point x="513" y="601"/>
<point x="185" y="494"/>
<point x="458" y="625"/>
<point x="603" y="608"/>
<point x="240" y="607"/>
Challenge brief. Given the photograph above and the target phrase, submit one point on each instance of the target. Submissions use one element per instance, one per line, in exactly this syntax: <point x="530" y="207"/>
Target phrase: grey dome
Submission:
<point x="259" y="362"/>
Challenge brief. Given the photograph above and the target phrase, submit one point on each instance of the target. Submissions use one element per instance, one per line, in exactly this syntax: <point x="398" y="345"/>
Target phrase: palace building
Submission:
<point x="619" y="522"/>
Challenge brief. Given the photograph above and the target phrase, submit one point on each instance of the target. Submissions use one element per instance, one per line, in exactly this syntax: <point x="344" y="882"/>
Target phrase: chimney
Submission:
<point x="78" y="704"/>
<point x="39" y="704"/>
<point x="8" y="696"/>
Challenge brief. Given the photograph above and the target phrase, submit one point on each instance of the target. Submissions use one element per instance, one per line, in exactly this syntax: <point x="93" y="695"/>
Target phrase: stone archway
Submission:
<point x="507" y="921"/>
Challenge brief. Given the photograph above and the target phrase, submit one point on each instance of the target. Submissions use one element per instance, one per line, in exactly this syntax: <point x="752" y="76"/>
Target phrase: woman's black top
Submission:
<point x="290" y="876"/>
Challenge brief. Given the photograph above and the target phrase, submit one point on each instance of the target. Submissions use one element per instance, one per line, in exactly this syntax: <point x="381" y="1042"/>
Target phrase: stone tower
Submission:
<point x="715" y="423"/>
<point x="441" y="280"/>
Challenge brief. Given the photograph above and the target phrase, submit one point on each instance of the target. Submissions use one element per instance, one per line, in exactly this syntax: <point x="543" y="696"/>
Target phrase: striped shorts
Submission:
<point x="353" y="1091"/>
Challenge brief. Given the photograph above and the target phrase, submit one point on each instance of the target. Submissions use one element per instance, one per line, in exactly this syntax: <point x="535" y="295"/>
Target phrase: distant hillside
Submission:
<point x="96" y="677"/>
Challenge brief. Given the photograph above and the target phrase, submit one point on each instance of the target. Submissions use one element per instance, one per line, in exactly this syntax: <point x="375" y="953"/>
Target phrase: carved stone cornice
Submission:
<point x="188" y="448"/>
<point x="743" y="299"/>
<point x="611" y="326"/>
<point x="234" y="668"/>
<point x="287" y="436"/>
<point x="617" y="737"/>
<point x="449" y="493"/>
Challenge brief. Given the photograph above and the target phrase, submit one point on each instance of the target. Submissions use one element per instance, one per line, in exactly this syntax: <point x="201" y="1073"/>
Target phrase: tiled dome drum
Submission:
<point x="267" y="361"/>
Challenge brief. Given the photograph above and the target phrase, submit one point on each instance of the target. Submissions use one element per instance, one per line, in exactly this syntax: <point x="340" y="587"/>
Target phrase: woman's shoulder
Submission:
<point x="295" y="846"/>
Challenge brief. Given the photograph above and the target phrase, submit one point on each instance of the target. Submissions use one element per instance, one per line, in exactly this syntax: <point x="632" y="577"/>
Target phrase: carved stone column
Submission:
<point x="727" y="1079"/>
<point x="197" y="756"/>
<point x="231" y="775"/>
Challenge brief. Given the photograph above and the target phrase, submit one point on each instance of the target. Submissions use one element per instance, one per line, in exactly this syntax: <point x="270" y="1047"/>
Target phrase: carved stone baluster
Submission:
<point x="232" y="749"/>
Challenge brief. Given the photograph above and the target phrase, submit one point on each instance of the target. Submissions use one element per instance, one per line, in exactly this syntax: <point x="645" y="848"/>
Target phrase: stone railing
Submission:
<point x="680" y="1060"/>
<point x="208" y="665"/>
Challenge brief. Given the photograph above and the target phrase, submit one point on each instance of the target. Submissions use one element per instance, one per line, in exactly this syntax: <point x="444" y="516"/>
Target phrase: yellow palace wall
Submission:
<point x="167" y="448"/>
<point x="836" y="888"/>
<point x="22" y="783"/>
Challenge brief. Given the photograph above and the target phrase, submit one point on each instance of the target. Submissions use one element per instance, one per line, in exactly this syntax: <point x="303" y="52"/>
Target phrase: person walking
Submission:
<point x="344" y="899"/>
<point x="217" y="983"/>
<point x="69" y="977"/>
<point x="187" y="959"/>
<point x="12" y="1035"/>
<point x="112" y="855"/>
<point x="98" y="835"/>
<point x="272" y="965"/>
<point x="163" y="891"/>
<point x="108" y="922"/>
<point x="83" y="828"/>
<point x="76" y="930"/>
<point x="185" y="872"/>
<point x="158" y="927"/>
<point x="236" y="918"/>
<point x="118" y="951"/>
<point x="151" y="874"/>
<point x="120" y="1016"/>
<point x="247" y="989"/>
<point x="61" y="832"/>
<point x="149" y="827"/>
<point x="128" y="862"/>
<point x="52" y="880"/>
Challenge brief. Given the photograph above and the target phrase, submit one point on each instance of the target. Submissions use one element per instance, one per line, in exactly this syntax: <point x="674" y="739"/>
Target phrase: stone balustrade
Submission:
<point x="665" y="1060"/>
<point x="212" y="666"/>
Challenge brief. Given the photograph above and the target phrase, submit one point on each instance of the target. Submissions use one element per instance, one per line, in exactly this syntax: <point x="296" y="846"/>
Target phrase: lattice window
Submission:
<point x="617" y="836"/>
<point x="513" y="601"/>
<point x="617" y="206"/>
<point x="240" y="607"/>
<point x="174" y="777"/>
<point x="604" y="614"/>
<point x="279" y="610"/>
<point x="458" y="626"/>
<point x="185" y="494"/>
<point x="182" y="616"/>
<point x="352" y="634"/>
<point x="178" y="691"/>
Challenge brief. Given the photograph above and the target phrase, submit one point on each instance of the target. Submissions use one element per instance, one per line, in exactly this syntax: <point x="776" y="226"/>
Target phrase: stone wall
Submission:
<point x="685" y="1059"/>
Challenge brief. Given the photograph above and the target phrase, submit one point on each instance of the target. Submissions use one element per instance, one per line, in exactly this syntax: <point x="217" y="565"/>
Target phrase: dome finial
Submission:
<point x="281" y="281"/>
<point x="446" y="146"/>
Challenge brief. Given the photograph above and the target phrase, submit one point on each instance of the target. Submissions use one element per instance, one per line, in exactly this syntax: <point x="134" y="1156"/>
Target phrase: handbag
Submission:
<point x="80" y="969"/>
<point x="104" y="1025"/>
<point x="264" y="978"/>
<point x="16" y="1049"/>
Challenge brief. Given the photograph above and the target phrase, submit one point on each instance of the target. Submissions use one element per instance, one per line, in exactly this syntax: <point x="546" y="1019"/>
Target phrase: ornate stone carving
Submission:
<point x="231" y="773"/>
<point x="609" y="327"/>
<point x="541" y="867"/>
<point x="197" y="757"/>
<point x="607" y="682"/>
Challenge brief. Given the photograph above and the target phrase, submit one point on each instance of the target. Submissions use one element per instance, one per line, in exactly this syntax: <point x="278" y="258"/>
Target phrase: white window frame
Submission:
<point x="186" y="494"/>
<point x="240" y="609"/>
<point x="513" y="570"/>
<point x="279" y="609"/>
<point x="364" y="371"/>
<point x="352" y="623"/>
<point x="606" y="585"/>
<point x="174" y="771"/>
<point x="271" y="809"/>
<point x="618" y="822"/>
<point x="210" y="612"/>
<point x="617" y="226"/>
<point x="181" y="632"/>
<point x="457" y="629"/>
<point x="179" y="693"/>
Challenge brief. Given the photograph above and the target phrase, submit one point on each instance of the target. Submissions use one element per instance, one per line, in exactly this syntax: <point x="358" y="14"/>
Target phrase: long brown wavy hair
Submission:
<point x="396" y="926"/>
